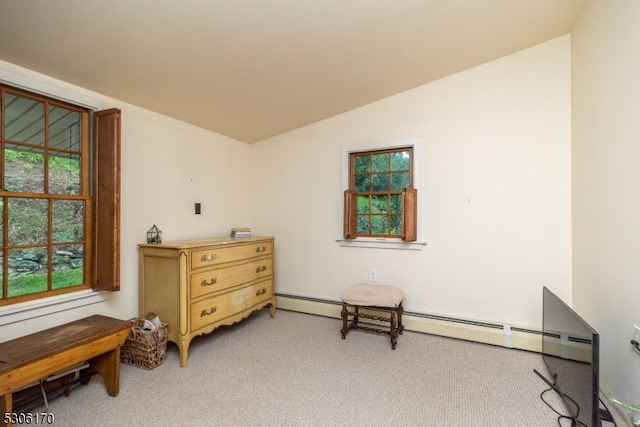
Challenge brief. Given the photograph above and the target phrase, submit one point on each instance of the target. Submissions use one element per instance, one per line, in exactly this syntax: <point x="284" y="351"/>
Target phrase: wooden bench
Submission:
<point x="95" y="339"/>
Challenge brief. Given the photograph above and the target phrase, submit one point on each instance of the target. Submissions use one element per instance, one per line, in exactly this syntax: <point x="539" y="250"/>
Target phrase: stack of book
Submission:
<point x="240" y="232"/>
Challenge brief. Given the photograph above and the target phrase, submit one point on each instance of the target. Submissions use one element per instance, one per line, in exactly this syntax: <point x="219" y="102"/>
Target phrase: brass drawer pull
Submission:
<point x="261" y="269"/>
<point x="205" y="258"/>
<point x="212" y="310"/>
<point x="213" y="281"/>
<point x="261" y="292"/>
<point x="261" y="249"/>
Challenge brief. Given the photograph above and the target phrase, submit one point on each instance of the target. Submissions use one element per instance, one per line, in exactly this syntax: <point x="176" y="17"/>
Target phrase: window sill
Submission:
<point x="31" y="309"/>
<point x="368" y="242"/>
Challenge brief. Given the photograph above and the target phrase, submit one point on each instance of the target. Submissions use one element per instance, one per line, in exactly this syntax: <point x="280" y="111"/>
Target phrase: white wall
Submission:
<point x="496" y="192"/>
<point x="606" y="185"/>
<point x="496" y="180"/>
<point x="167" y="166"/>
<point x="497" y="171"/>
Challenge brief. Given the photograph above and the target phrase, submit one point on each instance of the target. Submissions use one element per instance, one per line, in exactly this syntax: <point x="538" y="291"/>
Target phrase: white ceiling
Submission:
<point x="252" y="69"/>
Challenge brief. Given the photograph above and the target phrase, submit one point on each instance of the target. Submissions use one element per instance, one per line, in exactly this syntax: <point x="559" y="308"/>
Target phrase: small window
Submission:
<point x="378" y="179"/>
<point x="380" y="196"/>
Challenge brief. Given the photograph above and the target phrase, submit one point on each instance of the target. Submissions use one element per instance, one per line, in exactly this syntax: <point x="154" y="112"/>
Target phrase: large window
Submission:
<point x="380" y="199"/>
<point x="47" y="206"/>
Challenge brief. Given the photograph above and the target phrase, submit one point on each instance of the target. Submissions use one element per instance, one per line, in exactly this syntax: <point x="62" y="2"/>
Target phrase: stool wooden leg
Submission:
<point x="394" y="319"/>
<point x="394" y="329"/>
<point x="356" y="313"/>
<point x="345" y="316"/>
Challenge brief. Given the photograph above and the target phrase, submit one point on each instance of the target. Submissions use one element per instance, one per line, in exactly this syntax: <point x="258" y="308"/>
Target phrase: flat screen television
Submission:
<point x="570" y="350"/>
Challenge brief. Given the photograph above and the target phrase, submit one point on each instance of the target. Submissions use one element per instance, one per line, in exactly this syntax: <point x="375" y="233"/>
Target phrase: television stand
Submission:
<point x="605" y="415"/>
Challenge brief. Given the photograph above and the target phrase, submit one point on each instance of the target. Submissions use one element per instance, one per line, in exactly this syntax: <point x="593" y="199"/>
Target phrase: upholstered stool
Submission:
<point x="373" y="298"/>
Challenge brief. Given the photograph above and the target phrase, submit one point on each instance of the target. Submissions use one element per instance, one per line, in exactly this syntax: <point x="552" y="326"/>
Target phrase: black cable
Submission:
<point x="562" y="417"/>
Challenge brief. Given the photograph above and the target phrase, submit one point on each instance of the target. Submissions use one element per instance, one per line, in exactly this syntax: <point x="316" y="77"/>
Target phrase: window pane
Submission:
<point x="400" y="161"/>
<point x="64" y="173"/>
<point x="363" y="204"/>
<point x="363" y="224"/>
<point x="362" y="164"/>
<point x="68" y="220"/>
<point x="379" y="224"/>
<point x="363" y="183"/>
<point x="1" y="223"/>
<point x="27" y="271"/>
<point x="23" y="169"/>
<point x="380" y="162"/>
<point x="67" y="262"/>
<point x="380" y="182"/>
<point x="379" y="204"/>
<point x="24" y="119"/>
<point x="396" y="203"/>
<point x="64" y="129"/>
<point x="399" y="180"/>
<point x="396" y="224"/>
<point x="1" y="276"/>
<point x="28" y="222"/>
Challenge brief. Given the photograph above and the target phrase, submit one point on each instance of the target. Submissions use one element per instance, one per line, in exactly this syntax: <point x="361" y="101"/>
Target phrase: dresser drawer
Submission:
<point x="222" y="254"/>
<point x="218" y="279"/>
<point x="220" y="307"/>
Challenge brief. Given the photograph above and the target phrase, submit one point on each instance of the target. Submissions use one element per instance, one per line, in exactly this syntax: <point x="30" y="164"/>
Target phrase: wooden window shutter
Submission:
<point x="350" y="214"/>
<point x="106" y="200"/>
<point x="410" y="214"/>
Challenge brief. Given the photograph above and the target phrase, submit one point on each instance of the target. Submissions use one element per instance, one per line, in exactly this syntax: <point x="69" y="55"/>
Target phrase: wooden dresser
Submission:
<point x="198" y="285"/>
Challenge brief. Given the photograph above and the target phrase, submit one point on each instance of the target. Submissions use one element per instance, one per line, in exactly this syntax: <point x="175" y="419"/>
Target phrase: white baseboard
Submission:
<point x="481" y="332"/>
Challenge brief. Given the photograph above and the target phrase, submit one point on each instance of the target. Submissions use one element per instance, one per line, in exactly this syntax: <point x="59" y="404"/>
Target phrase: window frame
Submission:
<point x="20" y="311"/>
<point x="48" y="194"/>
<point x="385" y="242"/>
<point x="371" y="180"/>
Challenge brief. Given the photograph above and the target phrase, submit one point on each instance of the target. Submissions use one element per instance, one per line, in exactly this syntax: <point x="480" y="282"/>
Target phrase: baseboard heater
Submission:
<point x="471" y="330"/>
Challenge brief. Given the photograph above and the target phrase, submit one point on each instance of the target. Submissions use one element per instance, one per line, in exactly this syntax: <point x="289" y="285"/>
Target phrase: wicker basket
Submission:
<point x="144" y="349"/>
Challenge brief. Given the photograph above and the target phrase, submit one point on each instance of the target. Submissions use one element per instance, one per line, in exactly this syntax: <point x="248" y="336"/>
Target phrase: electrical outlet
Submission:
<point x="198" y="208"/>
<point x="636" y="333"/>
<point x="373" y="275"/>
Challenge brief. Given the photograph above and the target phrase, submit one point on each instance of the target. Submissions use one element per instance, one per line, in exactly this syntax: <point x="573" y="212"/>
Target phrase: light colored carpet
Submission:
<point x="295" y="370"/>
